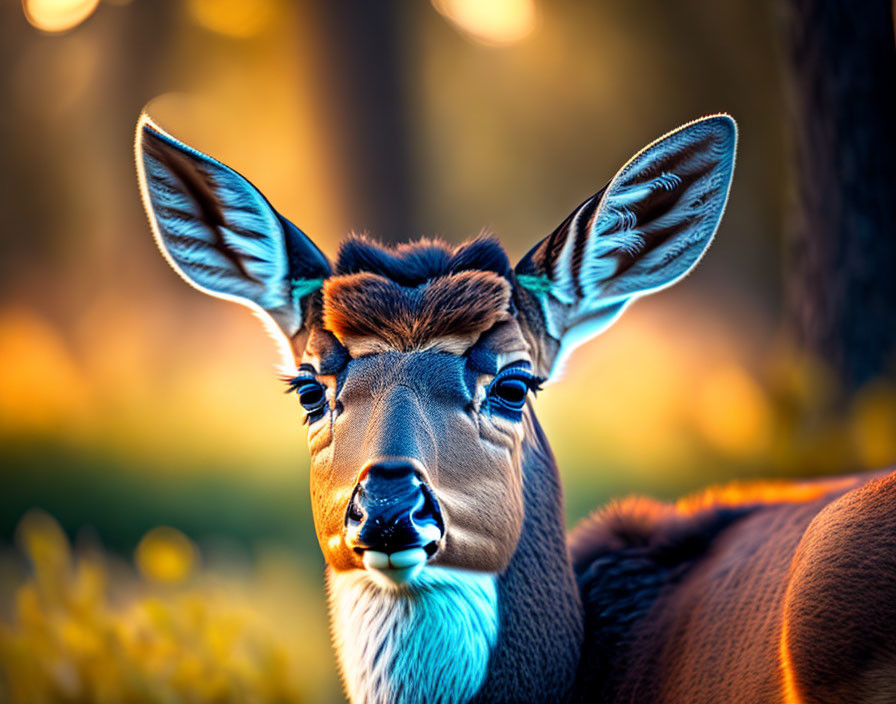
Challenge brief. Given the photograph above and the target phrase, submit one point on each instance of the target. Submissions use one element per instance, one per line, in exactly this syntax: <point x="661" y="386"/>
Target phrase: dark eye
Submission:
<point x="509" y="390"/>
<point x="312" y="396"/>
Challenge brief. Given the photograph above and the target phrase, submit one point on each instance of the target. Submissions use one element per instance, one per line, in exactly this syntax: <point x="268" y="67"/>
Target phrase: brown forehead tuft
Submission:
<point x="366" y="306"/>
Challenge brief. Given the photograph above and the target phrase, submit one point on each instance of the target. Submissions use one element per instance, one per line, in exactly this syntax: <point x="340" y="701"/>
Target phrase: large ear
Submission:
<point x="220" y="234"/>
<point x="641" y="233"/>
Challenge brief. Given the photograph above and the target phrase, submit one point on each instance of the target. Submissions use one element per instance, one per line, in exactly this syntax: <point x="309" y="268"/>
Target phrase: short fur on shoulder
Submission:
<point x="639" y="522"/>
<point x="627" y="552"/>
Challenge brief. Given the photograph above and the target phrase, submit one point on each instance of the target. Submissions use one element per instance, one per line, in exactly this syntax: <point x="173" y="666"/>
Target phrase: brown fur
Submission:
<point x="840" y="606"/>
<point x="779" y="593"/>
<point x="642" y="521"/>
<point x="364" y="306"/>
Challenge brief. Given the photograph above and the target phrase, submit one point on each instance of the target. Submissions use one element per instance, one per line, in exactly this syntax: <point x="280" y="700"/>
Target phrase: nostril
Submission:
<point x="424" y="515"/>
<point x="355" y="513"/>
<point x="427" y="520"/>
<point x="427" y="509"/>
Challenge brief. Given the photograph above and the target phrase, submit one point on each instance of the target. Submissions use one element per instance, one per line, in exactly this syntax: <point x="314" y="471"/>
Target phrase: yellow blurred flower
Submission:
<point x="209" y="642"/>
<point x="165" y="555"/>
<point x="47" y="548"/>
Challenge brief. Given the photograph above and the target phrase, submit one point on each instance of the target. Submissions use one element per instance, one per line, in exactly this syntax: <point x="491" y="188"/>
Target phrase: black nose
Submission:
<point x="393" y="509"/>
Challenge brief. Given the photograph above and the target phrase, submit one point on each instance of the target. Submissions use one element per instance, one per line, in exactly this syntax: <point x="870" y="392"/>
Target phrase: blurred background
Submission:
<point x="157" y="542"/>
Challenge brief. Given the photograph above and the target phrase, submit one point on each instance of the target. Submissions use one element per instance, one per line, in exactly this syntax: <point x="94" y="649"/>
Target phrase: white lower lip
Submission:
<point x="400" y="567"/>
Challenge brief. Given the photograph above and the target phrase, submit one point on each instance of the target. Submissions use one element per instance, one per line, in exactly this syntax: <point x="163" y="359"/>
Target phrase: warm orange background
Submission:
<point x="128" y="401"/>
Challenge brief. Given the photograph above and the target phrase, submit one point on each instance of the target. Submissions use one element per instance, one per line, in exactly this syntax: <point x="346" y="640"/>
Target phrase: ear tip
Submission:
<point x="722" y="129"/>
<point x="722" y="123"/>
<point x="148" y="132"/>
<point x="145" y="124"/>
<point x="153" y="140"/>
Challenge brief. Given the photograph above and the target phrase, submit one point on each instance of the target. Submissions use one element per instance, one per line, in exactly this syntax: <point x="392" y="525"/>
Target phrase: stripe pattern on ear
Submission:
<point x="221" y="234"/>
<point x="643" y="232"/>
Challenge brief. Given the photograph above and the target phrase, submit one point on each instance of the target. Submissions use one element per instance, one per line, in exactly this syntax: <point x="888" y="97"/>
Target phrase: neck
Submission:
<point x="521" y="630"/>
<point x="541" y="617"/>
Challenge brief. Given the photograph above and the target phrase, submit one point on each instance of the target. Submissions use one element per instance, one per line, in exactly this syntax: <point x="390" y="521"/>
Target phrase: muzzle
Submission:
<point x="393" y="519"/>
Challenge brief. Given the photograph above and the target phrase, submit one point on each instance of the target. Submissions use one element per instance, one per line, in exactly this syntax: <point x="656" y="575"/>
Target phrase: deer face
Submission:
<point x="414" y="365"/>
<point x="416" y="454"/>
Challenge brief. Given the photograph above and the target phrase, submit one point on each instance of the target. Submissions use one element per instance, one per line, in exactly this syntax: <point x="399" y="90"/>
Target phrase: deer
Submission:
<point x="436" y="498"/>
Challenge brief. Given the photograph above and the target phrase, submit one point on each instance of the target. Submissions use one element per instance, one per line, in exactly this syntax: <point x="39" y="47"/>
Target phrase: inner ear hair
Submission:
<point x="643" y="232"/>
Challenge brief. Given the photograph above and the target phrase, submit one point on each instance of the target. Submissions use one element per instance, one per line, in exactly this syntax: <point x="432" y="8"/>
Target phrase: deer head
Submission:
<point x="414" y="365"/>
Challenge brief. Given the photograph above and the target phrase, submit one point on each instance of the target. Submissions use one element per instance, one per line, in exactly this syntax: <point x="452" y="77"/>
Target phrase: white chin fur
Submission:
<point x="390" y="638"/>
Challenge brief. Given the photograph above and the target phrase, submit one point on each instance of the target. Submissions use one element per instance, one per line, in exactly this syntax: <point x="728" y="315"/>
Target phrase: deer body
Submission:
<point x="436" y="498"/>
<point x="786" y="597"/>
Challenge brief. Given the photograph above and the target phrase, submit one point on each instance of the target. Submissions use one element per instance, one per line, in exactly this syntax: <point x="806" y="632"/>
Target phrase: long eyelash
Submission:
<point x="293" y="383"/>
<point x="306" y="373"/>
<point x="533" y="382"/>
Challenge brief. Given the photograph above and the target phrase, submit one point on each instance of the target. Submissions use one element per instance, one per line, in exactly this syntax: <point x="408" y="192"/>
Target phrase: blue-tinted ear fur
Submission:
<point x="645" y="231"/>
<point x="221" y="235"/>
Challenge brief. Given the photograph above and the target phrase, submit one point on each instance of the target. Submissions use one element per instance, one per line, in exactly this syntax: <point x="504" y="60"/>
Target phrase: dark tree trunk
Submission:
<point x="366" y="107"/>
<point x="842" y="268"/>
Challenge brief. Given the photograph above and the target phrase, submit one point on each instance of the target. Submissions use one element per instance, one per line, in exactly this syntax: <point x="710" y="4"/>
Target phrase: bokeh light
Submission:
<point x="41" y="386"/>
<point x="732" y="412"/>
<point x="494" y="22"/>
<point x="58" y="15"/>
<point x="874" y="423"/>
<point x="233" y="18"/>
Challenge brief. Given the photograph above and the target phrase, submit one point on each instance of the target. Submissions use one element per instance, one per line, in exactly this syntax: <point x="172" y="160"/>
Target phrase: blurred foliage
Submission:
<point x="705" y="418"/>
<point x="87" y="630"/>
